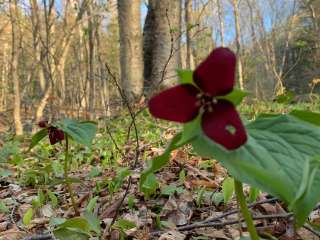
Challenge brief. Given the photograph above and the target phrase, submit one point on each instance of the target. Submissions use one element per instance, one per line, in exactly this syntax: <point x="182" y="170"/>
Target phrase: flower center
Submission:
<point x="206" y="102"/>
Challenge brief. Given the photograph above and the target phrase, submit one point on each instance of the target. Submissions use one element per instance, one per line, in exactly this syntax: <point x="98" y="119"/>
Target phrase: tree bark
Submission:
<point x="188" y="11"/>
<point x="238" y="42"/>
<point x="161" y="43"/>
<point x="131" y="60"/>
<point x="221" y="22"/>
<point x="15" y="52"/>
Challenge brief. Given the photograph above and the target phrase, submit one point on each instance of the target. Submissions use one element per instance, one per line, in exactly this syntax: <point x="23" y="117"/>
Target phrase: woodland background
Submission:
<point x="67" y="57"/>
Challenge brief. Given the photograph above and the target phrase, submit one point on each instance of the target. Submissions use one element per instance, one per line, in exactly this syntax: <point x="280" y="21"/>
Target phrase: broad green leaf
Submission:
<point x="80" y="132"/>
<point x="37" y="137"/>
<point x="124" y="224"/>
<point x="168" y="189"/>
<point x="185" y="76"/>
<point x="274" y="160"/>
<point x="27" y="216"/>
<point x="236" y="96"/>
<point x="76" y="223"/>
<point x="227" y="189"/>
<point x="69" y="234"/>
<point x="158" y="162"/>
<point x="93" y="221"/>
<point x="54" y="221"/>
<point x="149" y="185"/>
<point x="311" y="117"/>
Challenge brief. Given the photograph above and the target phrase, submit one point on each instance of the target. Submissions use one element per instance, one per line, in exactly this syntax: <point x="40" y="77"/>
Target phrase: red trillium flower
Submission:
<point x="213" y="78"/>
<point x="55" y="134"/>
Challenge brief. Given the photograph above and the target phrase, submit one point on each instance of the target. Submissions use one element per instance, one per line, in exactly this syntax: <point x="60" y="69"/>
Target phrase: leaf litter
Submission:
<point x="188" y="203"/>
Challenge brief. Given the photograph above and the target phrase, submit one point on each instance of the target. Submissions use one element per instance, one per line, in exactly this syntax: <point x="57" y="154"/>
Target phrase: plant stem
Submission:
<point x="68" y="184"/>
<point x="245" y="210"/>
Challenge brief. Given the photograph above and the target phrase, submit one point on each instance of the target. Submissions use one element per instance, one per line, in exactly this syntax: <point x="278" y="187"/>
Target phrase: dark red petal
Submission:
<point x="215" y="124"/>
<point x="52" y="136"/>
<point x="177" y="104"/>
<point x="215" y="75"/>
<point x="43" y="124"/>
<point x="59" y="134"/>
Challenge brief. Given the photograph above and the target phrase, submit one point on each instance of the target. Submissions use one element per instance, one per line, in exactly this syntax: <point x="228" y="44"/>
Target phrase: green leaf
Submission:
<point x="93" y="221"/>
<point x="94" y="172"/>
<point x="185" y="76"/>
<point x="92" y="204"/>
<point x="168" y="189"/>
<point x="124" y="224"/>
<point x="53" y="199"/>
<point x="274" y="160"/>
<point x="27" y="217"/>
<point x="149" y="185"/>
<point x="217" y="198"/>
<point x="285" y="98"/>
<point x="7" y="150"/>
<point x="5" y="173"/>
<point x="190" y="131"/>
<point x="158" y="162"/>
<point x="307" y="116"/>
<point x="37" y="137"/>
<point x="41" y="197"/>
<point x="253" y="194"/>
<point x="80" y="132"/>
<point x="54" y="221"/>
<point x="69" y="234"/>
<point x="79" y="223"/>
<point x="227" y="189"/>
<point x="3" y="207"/>
<point x="236" y="96"/>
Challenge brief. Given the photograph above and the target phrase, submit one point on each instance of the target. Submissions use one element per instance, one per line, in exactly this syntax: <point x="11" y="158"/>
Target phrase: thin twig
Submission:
<point x="310" y="229"/>
<point x="218" y="218"/>
<point x="114" y="141"/>
<point x="225" y="223"/>
<point x="137" y="149"/>
<point x="39" y="237"/>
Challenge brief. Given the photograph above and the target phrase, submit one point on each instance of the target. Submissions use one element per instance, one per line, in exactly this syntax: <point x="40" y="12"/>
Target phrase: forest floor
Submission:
<point x="193" y="199"/>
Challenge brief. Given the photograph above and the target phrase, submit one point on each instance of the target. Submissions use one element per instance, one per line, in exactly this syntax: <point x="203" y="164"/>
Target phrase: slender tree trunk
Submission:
<point x="131" y="61"/>
<point x="14" y="66"/>
<point x="4" y="78"/>
<point x="188" y="11"/>
<point x="238" y="42"/>
<point x="221" y="22"/>
<point x="91" y="49"/>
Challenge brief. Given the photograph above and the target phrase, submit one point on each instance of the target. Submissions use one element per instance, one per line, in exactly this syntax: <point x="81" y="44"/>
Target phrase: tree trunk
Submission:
<point x="14" y="66"/>
<point x="188" y="11"/>
<point x="91" y="78"/>
<point x="161" y="43"/>
<point x="221" y="22"/>
<point x="131" y="61"/>
<point x="238" y="42"/>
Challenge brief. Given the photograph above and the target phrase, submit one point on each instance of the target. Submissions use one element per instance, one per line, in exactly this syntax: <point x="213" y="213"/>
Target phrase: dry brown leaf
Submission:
<point x="204" y="183"/>
<point x="172" y="235"/>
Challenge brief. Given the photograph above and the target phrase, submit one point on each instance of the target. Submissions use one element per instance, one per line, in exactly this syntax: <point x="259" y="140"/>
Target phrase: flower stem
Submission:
<point x="245" y="210"/>
<point x="66" y="176"/>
